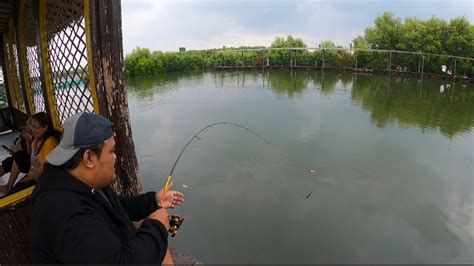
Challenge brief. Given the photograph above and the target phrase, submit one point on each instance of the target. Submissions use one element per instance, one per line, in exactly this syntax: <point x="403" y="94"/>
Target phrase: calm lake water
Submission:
<point x="359" y="169"/>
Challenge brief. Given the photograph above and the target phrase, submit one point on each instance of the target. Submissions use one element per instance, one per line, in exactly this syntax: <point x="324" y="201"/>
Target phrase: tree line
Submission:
<point x="434" y="36"/>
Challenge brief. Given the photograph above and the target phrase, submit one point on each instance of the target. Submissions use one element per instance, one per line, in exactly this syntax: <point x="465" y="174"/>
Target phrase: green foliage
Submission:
<point x="386" y="32"/>
<point x="3" y="97"/>
<point x="286" y="57"/>
<point x="289" y="42"/>
<point x="360" y="42"/>
<point x="434" y="36"/>
<point x="141" y="62"/>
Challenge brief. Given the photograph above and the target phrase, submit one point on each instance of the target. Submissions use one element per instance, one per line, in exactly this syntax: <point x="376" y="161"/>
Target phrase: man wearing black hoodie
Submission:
<point x="78" y="218"/>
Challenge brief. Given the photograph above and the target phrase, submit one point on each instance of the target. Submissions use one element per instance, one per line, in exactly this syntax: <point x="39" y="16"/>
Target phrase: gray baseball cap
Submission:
<point x="81" y="130"/>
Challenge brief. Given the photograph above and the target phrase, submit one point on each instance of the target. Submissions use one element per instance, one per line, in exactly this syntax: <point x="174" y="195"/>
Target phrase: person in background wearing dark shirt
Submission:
<point x="79" y="219"/>
<point x="19" y="151"/>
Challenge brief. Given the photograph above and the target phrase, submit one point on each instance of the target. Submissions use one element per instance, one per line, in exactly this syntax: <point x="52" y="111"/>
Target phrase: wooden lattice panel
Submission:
<point x="67" y="54"/>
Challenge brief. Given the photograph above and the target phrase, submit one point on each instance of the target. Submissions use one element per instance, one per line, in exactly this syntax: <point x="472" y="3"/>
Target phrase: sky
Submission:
<point x="167" y="25"/>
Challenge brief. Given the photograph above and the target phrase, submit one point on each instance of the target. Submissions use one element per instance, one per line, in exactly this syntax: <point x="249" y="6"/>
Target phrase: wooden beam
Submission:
<point x="65" y="6"/>
<point x="106" y="41"/>
<point x="5" y="11"/>
<point x="6" y="5"/>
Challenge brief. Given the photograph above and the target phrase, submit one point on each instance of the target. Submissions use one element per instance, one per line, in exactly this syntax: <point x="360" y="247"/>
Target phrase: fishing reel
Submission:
<point x="175" y="223"/>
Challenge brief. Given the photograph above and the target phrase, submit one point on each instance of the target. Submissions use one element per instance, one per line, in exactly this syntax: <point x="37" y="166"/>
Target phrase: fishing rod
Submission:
<point x="168" y="181"/>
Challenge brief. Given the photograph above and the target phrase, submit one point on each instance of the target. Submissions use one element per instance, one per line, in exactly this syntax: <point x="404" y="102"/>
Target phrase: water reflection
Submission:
<point x="381" y="192"/>
<point x="409" y="102"/>
<point x="431" y="105"/>
<point x="289" y="83"/>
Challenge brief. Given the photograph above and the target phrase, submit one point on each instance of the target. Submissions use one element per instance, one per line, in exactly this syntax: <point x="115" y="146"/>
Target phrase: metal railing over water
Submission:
<point x="356" y="59"/>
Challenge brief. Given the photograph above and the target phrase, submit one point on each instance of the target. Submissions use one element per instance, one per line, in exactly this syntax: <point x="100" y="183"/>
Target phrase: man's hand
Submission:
<point x="171" y="199"/>
<point x="161" y="215"/>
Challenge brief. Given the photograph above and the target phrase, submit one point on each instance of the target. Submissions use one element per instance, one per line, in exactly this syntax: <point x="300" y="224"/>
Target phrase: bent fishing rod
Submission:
<point x="168" y="181"/>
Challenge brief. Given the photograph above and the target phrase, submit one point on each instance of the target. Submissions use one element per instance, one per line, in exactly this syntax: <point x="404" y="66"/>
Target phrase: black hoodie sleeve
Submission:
<point x="87" y="238"/>
<point x="139" y="207"/>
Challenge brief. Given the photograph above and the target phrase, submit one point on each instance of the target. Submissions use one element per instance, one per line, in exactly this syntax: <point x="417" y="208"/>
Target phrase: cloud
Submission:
<point x="168" y="24"/>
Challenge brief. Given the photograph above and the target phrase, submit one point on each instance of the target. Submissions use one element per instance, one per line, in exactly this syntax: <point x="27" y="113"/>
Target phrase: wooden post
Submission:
<point x="355" y="56"/>
<point x="390" y="62"/>
<point x="454" y="69"/>
<point x="40" y="59"/>
<point x="21" y="79"/>
<point x="418" y="59"/>
<point x="294" y="56"/>
<point x="422" y="66"/>
<point x="5" y="80"/>
<point x="268" y="59"/>
<point x="106" y="30"/>
<point x="324" y="59"/>
<point x="202" y="59"/>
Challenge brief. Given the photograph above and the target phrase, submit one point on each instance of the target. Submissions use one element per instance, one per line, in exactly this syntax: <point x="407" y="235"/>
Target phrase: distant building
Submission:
<point x="182" y="49"/>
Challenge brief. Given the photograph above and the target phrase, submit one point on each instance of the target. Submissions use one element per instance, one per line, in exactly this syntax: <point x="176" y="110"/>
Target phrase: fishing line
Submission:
<point x="196" y="137"/>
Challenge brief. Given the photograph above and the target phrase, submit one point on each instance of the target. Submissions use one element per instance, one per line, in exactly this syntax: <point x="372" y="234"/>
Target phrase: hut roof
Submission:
<point x="6" y="7"/>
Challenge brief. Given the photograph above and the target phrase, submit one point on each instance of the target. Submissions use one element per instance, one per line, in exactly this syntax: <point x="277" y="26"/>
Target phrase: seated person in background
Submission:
<point x="45" y="139"/>
<point x="19" y="151"/>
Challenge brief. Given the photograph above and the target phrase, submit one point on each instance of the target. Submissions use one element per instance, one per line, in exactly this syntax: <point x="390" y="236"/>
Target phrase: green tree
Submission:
<point x="460" y="40"/>
<point x="284" y="57"/>
<point x="386" y="32"/>
<point x="360" y="42"/>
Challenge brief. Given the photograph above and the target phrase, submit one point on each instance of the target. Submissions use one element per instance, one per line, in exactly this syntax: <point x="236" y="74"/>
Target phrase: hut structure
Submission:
<point x="62" y="57"/>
